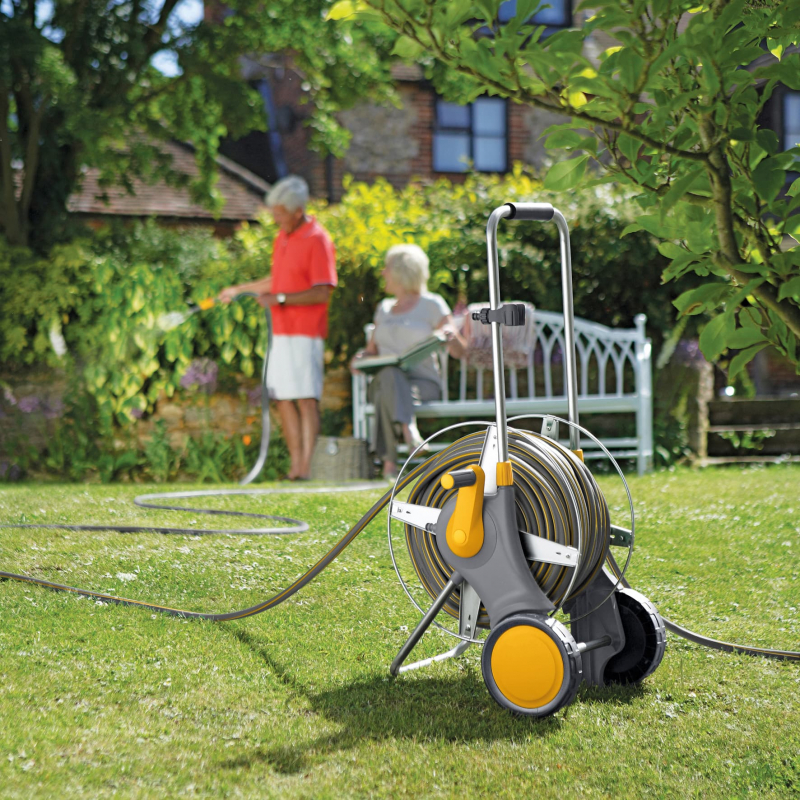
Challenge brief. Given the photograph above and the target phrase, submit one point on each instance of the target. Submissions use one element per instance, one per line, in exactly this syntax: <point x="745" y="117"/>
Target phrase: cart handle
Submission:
<point x="538" y="212"/>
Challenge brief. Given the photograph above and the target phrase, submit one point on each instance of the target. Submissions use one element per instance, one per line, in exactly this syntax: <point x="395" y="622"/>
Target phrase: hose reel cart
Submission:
<point x="506" y="527"/>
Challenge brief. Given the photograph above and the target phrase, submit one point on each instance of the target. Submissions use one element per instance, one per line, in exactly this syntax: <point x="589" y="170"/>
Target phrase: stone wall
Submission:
<point x="382" y="142"/>
<point x="534" y="122"/>
<point x="185" y="416"/>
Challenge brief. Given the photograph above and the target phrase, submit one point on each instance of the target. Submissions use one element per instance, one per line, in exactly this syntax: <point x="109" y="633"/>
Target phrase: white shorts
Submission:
<point x="295" y="367"/>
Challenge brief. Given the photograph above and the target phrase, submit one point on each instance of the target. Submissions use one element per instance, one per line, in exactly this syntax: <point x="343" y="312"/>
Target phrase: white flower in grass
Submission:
<point x="126" y="576"/>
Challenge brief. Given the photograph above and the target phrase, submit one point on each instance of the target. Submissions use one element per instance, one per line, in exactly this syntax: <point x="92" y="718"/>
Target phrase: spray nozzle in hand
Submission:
<point x="170" y="321"/>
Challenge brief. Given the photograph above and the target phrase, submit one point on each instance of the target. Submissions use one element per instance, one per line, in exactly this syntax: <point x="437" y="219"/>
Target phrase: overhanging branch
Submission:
<point x="153" y="36"/>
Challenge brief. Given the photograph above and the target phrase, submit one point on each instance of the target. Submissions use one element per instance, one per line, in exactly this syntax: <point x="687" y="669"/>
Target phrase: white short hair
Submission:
<point x="409" y="265"/>
<point x="291" y="193"/>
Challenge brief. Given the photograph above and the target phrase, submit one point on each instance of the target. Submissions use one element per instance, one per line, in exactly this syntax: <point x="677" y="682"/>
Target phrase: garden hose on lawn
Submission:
<point x="504" y="528"/>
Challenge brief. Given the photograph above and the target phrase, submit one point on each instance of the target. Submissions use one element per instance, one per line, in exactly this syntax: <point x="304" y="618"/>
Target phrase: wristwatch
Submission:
<point x="281" y="298"/>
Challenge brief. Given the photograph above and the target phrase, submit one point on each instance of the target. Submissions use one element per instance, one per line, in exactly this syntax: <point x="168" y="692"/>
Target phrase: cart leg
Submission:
<point x="424" y="623"/>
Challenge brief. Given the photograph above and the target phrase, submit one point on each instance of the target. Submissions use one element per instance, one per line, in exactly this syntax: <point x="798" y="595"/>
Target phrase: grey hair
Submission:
<point x="409" y="265"/>
<point x="290" y="192"/>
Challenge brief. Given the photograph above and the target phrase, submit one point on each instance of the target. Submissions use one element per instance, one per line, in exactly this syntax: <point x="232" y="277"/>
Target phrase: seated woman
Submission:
<point x="411" y="315"/>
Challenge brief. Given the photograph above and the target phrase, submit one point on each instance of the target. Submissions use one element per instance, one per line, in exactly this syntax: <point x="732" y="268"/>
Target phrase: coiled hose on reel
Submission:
<point x="556" y="496"/>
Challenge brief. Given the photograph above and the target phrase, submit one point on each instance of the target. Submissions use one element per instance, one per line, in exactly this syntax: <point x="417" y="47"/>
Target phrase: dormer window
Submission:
<point x="791" y="120"/>
<point x="558" y="15"/>
<point x="476" y="133"/>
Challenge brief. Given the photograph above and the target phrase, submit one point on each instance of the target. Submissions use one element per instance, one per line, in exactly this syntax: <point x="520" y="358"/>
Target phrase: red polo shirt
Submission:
<point x="300" y="260"/>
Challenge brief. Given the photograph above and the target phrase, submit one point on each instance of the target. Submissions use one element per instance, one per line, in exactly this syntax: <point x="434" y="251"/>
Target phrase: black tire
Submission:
<point x="567" y="651"/>
<point x="645" y="640"/>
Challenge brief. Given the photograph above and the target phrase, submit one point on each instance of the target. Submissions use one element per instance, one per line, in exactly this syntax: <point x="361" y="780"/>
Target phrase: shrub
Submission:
<point x="107" y="302"/>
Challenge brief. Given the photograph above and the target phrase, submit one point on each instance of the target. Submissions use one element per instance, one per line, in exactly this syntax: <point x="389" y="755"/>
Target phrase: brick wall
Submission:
<point x="287" y="90"/>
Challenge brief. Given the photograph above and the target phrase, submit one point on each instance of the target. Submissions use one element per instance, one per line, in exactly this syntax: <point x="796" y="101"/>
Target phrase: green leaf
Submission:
<point x="631" y="65"/>
<point x="740" y="360"/>
<point x="565" y="174"/>
<point x="488" y="8"/>
<point x="679" y="188"/>
<point x="769" y="178"/>
<point x="744" y="291"/>
<point x="776" y="48"/>
<point x="745" y="337"/>
<point x="790" y="289"/>
<point x="629" y="147"/>
<point x="407" y="48"/>
<point x="672" y="251"/>
<point x="632" y="228"/>
<point x="768" y="140"/>
<point x="714" y="336"/>
<point x="703" y="298"/>
<point x="343" y="9"/>
<point x="458" y="13"/>
<point x="794" y="189"/>
<point x="742" y="134"/>
<point x="564" y="140"/>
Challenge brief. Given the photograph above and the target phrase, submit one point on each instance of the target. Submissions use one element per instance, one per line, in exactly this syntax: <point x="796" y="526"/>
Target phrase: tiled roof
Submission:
<point x="243" y="192"/>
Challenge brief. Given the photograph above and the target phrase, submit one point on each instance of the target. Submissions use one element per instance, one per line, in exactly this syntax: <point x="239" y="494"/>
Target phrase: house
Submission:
<point x="242" y="190"/>
<point x="427" y="137"/>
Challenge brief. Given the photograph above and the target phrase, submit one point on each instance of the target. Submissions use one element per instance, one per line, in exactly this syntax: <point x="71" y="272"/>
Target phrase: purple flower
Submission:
<point x="202" y="372"/>
<point x="137" y="413"/>
<point x="9" y="471"/>
<point x="29" y="404"/>
<point x="688" y="353"/>
<point x="9" y="396"/>
<point x="53" y="409"/>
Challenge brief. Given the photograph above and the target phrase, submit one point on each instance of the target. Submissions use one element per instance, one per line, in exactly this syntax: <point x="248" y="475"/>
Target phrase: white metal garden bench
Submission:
<point x="614" y="377"/>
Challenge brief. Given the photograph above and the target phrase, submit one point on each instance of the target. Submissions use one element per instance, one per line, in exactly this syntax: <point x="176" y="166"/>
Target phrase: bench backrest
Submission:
<point x="609" y="363"/>
<point x="613" y="372"/>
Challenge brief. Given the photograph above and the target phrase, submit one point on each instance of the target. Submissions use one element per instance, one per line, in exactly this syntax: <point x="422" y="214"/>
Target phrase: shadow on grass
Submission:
<point x="455" y="709"/>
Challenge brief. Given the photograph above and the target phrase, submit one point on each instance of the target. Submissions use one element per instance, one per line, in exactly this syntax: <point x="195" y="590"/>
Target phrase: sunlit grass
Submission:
<point x="106" y="701"/>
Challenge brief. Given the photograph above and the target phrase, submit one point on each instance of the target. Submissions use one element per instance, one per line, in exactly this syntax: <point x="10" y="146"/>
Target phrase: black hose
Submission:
<point x="538" y="504"/>
<point x="707" y="641"/>
<point x="277" y="599"/>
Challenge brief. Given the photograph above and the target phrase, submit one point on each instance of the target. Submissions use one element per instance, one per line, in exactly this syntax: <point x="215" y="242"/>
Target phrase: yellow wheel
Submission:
<point x="531" y="665"/>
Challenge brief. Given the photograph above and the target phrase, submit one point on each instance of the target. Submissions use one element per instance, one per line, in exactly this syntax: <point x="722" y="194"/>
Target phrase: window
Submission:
<point x="791" y="120"/>
<point x="475" y="132"/>
<point x="558" y="15"/>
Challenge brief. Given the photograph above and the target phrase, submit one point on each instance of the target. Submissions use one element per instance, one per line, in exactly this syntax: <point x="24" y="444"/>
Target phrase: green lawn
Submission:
<point x="104" y="701"/>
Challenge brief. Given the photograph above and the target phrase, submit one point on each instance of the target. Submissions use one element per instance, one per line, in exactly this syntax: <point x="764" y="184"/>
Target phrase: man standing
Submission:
<point x="297" y="293"/>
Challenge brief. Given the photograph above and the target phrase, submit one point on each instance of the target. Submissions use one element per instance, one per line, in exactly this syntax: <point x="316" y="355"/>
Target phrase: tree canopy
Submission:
<point x="78" y="88"/>
<point x="666" y="97"/>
